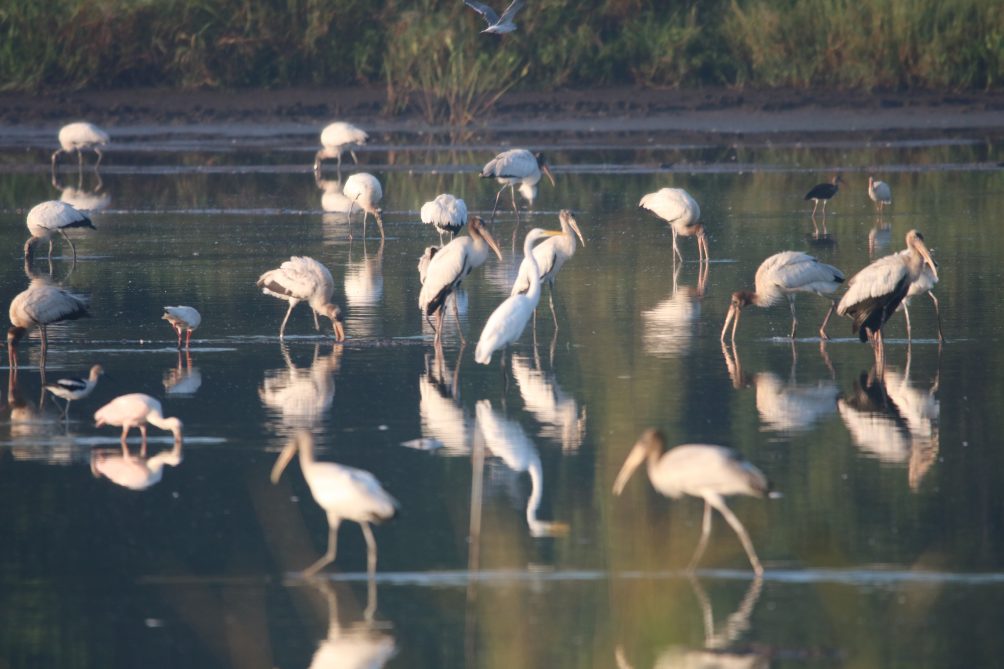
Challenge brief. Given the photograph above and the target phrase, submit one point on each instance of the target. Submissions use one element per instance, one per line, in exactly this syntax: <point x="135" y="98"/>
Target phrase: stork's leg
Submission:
<point x="188" y="339"/>
<point x="50" y="249"/>
<point x="719" y="504"/>
<point x="80" y="160"/>
<point x="282" y="328"/>
<point x="125" y="435"/>
<point x="371" y="549"/>
<point x="815" y="203"/>
<point x="441" y="237"/>
<point x="676" y="250"/>
<point x="100" y="156"/>
<point x="794" y="318"/>
<point x="705" y="534"/>
<point x="515" y="207"/>
<point x="822" y="328"/>
<point x="456" y="314"/>
<point x="379" y="220"/>
<point x="937" y="312"/>
<point x="45" y="346"/>
<point x="328" y="556"/>
<point x="353" y="154"/>
<point x="906" y="315"/>
<point x="55" y="155"/>
<point x="365" y="216"/>
<point x="497" y="196"/>
<point x="142" y="442"/>
<point x="439" y="327"/>
<point x="550" y="299"/>
<point x="317" y="324"/>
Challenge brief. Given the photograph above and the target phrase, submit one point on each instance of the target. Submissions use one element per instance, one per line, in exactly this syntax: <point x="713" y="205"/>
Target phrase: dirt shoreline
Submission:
<point x="607" y="109"/>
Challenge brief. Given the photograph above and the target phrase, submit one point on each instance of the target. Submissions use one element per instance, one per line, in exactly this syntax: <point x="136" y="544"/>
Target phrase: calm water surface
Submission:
<point x="887" y="548"/>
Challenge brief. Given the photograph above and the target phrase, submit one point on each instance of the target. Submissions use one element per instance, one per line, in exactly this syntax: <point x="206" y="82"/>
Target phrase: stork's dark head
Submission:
<point x="14" y="335"/>
<point x="741" y="298"/>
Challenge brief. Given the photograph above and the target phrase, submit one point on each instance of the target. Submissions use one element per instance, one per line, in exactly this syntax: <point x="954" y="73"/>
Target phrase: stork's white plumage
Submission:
<point x="447" y="213"/>
<point x="506" y="440"/>
<point x="699" y="470"/>
<point x="136" y="410"/>
<point x="924" y="283"/>
<point x="559" y="414"/>
<point x="448" y="267"/>
<point x="78" y="137"/>
<point x="303" y="279"/>
<point x="880" y="193"/>
<point x="345" y="493"/>
<point x="183" y="318"/>
<point x="41" y="305"/>
<point x="516" y="167"/>
<point x="874" y="293"/>
<point x="72" y="389"/>
<point x="51" y="218"/>
<point x="780" y="276"/>
<point x="551" y="255"/>
<point x="444" y="421"/>
<point x="681" y="211"/>
<point x="336" y="138"/>
<point x="298" y="397"/>
<point x="509" y="319"/>
<point x="364" y="190"/>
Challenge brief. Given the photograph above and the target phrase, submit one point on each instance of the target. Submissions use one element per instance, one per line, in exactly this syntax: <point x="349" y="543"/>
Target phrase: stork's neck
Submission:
<point x="533" y="293"/>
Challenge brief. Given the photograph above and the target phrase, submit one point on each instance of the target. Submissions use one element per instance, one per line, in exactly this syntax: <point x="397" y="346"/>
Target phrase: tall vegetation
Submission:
<point x="430" y="54"/>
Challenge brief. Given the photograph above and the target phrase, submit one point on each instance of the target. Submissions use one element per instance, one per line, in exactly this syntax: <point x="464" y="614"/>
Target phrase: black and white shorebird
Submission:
<point x="75" y="388"/>
<point x="497" y="25"/>
<point x="50" y="218"/>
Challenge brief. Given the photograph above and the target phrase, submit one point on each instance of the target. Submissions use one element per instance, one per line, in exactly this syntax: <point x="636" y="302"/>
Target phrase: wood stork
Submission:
<point x="682" y="213"/>
<point x="560" y="416"/>
<point x="136" y="410"/>
<point x="182" y="318"/>
<point x="497" y="25"/>
<point x="880" y="193"/>
<point x="506" y="440"/>
<point x="444" y="421"/>
<point x="699" y="470"/>
<point x="449" y="266"/>
<point x="345" y="493"/>
<point x="131" y="471"/>
<point x="72" y="389"/>
<point x="78" y="137"/>
<point x="358" y="645"/>
<point x="874" y="293"/>
<point x="303" y="279"/>
<point x="925" y="283"/>
<point x="512" y="167"/>
<point x="783" y="275"/>
<point x="336" y="138"/>
<point x="299" y="397"/>
<point x="507" y="322"/>
<point x="41" y="305"/>
<point x="364" y="190"/>
<point x="49" y="218"/>
<point x="447" y="213"/>
<point x="550" y="256"/>
<point x="823" y="193"/>
<point x="669" y="325"/>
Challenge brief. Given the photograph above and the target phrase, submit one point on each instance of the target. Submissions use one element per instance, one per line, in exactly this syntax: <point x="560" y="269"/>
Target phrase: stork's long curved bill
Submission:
<point x="547" y="170"/>
<point x="575" y="226"/>
<point x="634" y="459"/>
<point x="922" y="248"/>
<point x="492" y="244"/>
<point x="284" y="457"/>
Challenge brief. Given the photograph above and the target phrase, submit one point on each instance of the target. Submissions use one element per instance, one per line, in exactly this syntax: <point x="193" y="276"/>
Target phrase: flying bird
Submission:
<point x="50" y="218"/>
<point x="182" y="318"/>
<point x="78" y="137"/>
<point x="681" y="211"/>
<point x="781" y="276"/>
<point x="447" y="213"/>
<point x="337" y="138"/>
<point x="699" y="470"/>
<point x="75" y="388"/>
<point x="497" y="25"/>
<point x="303" y="279"/>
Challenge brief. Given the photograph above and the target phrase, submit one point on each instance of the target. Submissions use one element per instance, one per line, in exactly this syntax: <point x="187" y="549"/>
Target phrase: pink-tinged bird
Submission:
<point x="136" y="410"/>
<point x="303" y="279"/>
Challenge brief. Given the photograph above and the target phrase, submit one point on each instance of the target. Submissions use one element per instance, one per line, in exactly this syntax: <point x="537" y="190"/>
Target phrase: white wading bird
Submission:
<point x="345" y="493"/>
<point x="781" y="276"/>
<point x="507" y="322"/>
<point x="447" y="213"/>
<point x="925" y="283"/>
<point x="550" y="256"/>
<point x="336" y="138"/>
<point x="448" y="266"/>
<point x="182" y="318"/>
<point x="303" y="279"/>
<point x="497" y="25"/>
<point x="699" y="470"/>
<point x="880" y="193"/>
<point x="41" y="305"/>
<point x="874" y="293"/>
<point x="512" y="167"/>
<point x="364" y="190"/>
<point x="75" y="388"/>
<point x="682" y="213"/>
<point x="77" y="137"/>
<point x="136" y="410"/>
<point x="50" y="218"/>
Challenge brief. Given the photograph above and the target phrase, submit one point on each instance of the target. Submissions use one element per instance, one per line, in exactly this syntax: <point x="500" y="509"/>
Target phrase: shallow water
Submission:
<point x="886" y="549"/>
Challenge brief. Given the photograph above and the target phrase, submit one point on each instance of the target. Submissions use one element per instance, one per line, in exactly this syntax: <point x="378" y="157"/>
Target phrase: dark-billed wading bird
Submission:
<point x="682" y="213"/>
<point x="699" y="470"/>
<point x="515" y="167"/>
<point x="50" y="218"/>
<point x="303" y="279"/>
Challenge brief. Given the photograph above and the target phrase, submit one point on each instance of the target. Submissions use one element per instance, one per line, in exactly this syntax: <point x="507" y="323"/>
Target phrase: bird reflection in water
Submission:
<point x="561" y="418"/>
<point x="506" y="440"/>
<point x="182" y="380"/>
<point x="345" y="493"/>
<point x="135" y="472"/>
<point x="720" y="648"/>
<point x="895" y="421"/>
<point x="34" y="428"/>
<point x="363" y="644"/>
<point x="786" y="406"/>
<point x="298" y="397"/>
<point x="669" y="325"/>
<point x="364" y="290"/>
<point x="879" y="237"/>
<point x="445" y="424"/>
<point x="338" y="209"/>
<point x="82" y="199"/>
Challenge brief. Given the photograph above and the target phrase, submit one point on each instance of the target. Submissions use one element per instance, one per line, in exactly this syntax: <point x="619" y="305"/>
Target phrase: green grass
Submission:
<point x="432" y="58"/>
